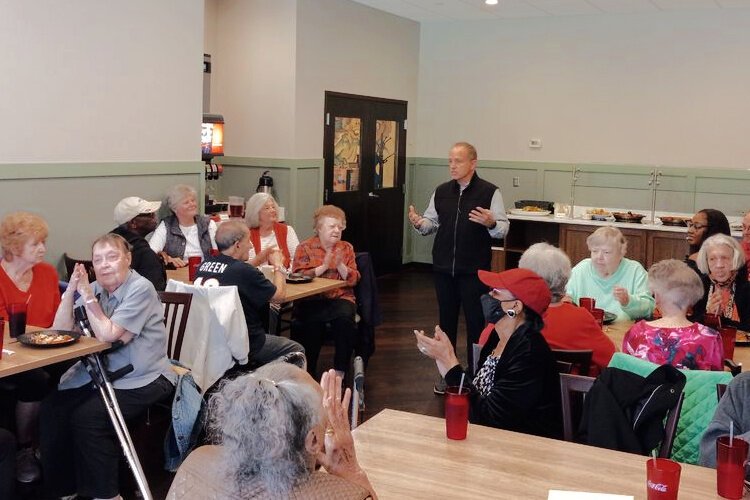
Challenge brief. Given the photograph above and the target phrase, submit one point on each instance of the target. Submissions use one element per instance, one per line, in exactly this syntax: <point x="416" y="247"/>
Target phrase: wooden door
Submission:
<point x="365" y="168"/>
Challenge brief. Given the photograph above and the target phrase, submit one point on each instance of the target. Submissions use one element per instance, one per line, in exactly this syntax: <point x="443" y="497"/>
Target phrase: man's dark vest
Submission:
<point x="462" y="246"/>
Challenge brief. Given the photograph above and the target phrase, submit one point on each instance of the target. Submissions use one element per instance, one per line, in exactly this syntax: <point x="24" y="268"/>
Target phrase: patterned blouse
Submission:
<point x="695" y="347"/>
<point x="485" y="377"/>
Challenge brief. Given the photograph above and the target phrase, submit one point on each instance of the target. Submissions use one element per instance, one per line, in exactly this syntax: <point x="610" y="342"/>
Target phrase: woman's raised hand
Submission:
<point x="338" y="457"/>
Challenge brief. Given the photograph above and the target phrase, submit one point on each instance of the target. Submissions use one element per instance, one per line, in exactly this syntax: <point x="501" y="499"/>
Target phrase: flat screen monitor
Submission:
<point x="212" y="136"/>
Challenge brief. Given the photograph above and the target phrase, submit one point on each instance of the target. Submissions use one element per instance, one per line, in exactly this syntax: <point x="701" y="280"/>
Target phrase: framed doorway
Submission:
<point x="364" y="151"/>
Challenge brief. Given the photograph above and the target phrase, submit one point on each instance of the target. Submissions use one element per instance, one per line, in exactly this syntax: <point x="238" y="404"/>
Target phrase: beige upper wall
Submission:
<point x="344" y="46"/>
<point x="93" y="81"/>
<point x="668" y="89"/>
<point x="273" y="60"/>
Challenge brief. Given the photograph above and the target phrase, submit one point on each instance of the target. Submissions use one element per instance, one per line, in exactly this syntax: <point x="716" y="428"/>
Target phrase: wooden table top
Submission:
<point x="617" y="330"/>
<point x="294" y="291"/>
<point x="28" y="358"/>
<point x="407" y="455"/>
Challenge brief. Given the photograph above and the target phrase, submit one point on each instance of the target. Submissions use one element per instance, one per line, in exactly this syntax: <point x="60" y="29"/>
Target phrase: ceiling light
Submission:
<point x="490" y="2"/>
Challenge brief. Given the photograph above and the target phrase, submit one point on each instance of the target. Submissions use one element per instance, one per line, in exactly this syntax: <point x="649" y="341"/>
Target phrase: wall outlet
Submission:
<point x="516" y="182"/>
<point x="535" y="143"/>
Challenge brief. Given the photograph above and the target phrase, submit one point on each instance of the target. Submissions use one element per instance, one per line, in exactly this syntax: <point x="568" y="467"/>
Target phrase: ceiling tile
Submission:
<point x="564" y="7"/>
<point x="685" y="4"/>
<point x="624" y="6"/>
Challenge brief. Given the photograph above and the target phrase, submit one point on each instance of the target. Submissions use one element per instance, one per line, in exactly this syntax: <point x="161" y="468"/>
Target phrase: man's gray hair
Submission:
<point x="261" y="420"/>
<point x="254" y="206"/>
<point x="738" y="257"/>
<point x="230" y="232"/>
<point x="551" y="263"/>
<point x="179" y="192"/>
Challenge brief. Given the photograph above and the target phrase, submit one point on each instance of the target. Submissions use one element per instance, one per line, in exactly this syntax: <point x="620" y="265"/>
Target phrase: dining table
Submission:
<point x="294" y="291"/>
<point x="617" y="330"/>
<point x="407" y="455"/>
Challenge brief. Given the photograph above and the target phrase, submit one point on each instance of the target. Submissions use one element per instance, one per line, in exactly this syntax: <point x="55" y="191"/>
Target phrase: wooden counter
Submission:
<point x="647" y="243"/>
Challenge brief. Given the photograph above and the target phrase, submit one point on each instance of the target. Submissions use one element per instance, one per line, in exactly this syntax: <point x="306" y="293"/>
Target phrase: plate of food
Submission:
<point x="297" y="278"/>
<point x="49" y="338"/>
<point x="628" y="217"/>
<point x="530" y="210"/>
<point x="674" y="221"/>
<point x="609" y="317"/>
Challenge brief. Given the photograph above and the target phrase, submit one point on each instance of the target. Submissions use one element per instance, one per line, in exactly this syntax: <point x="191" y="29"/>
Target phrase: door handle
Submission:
<point x="373" y="195"/>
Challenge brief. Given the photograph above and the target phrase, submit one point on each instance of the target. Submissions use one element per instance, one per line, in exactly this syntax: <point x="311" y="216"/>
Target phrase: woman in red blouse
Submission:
<point x="26" y="278"/>
<point x="325" y="255"/>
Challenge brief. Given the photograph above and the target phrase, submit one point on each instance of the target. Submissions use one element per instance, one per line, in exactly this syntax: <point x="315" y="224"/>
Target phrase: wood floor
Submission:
<point x="398" y="375"/>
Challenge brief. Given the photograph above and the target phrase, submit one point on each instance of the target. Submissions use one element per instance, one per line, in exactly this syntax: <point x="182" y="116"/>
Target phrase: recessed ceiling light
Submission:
<point x="490" y="2"/>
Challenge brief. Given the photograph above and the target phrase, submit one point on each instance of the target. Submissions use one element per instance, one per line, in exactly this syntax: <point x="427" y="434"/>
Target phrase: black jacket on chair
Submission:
<point x="624" y="411"/>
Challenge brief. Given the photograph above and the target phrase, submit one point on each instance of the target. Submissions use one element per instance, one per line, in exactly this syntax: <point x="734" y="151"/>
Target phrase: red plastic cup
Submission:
<point x="728" y="337"/>
<point x="587" y="303"/>
<point x="598" y="315"/>
<point x="456" y="412"/>
<point x="730" y="466"/>
<point x="2" y="335"/>
<point x="17" y="319"/>
<point x="662" y="479"/>
<point x="193" y="264"/>
<point x="712" y="321"/>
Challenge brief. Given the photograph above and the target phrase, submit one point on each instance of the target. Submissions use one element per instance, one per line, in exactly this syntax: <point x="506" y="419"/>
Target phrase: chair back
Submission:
<point x="720" y="390"/>
<point x="564" y="366"/>
<point x="670" y="428"/>
<point x="70" y="263"/>
<point x="579" y="359"/>
<point x="176" y="310"/>
<point x="573" y="389"/>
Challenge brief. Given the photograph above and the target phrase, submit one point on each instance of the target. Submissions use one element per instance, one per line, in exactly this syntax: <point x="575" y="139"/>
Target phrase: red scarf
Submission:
<point x="280" y="231"/>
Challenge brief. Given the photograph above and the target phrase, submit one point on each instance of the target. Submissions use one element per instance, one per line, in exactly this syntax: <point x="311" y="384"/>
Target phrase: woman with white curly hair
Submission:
<point x="266" y="232"/>
<point x="273" y="427"/>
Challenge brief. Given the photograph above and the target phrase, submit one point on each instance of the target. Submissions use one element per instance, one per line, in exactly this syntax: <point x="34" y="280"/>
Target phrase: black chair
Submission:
<point x="563" y="366"/>
<point x="579" y="359"/>
<point x="176" y="310"/>
<point x="720" y="390"/>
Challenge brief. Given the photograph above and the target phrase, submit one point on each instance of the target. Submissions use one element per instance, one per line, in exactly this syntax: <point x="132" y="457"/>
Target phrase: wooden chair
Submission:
<point x="70" y="262"/>
<point x="580" y="359"/>
<point x="720" y="390"/>
<point x="573" y="389"/>
<point x="176" y="310"/>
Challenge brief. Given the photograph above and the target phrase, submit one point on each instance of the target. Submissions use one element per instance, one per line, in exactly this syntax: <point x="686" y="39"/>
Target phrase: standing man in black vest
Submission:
<point x="466" y="212"/>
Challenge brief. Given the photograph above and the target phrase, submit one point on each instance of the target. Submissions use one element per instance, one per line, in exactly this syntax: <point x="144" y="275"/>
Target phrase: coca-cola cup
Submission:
<point x="598" y="315"/>
<point x="17" y="319"/>
<point x="2" y="335"/>
<point x="712" y="321"/>
<point x="456" y="412"/>
<point x="731" y="458"/>
<point x="728" y="337"/>
<point x="662" y="479"/>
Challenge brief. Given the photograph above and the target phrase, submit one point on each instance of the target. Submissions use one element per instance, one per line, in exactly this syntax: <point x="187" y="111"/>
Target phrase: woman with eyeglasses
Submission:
<point x="705" y="223"/>
<point x="721" y="261"/>
<point x="517" y="386"/>
<point x="326" y="255"/>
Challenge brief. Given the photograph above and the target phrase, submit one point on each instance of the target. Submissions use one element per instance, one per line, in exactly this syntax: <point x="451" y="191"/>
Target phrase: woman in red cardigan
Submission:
<point x="266" y="232"/>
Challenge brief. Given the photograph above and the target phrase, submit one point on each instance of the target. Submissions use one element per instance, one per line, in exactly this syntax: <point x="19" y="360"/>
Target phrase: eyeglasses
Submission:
<point x="693" y="225"/>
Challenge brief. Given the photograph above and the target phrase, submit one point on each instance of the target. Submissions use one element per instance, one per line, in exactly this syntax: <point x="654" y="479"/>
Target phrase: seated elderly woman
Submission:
<point x="704" y="224"/>
<point x="673" y="339"/>
<point x="327" y="256"/>
<point x="266" y="232"/>
<point x="726" y="291"/>
<point x="566" y="326"/>
<point x="619" y="285"/>
<point x="185" y="233"/>
<point x="26" y="279"/>
<point x="296" y="425"/>
<point x="80" y="452"/>
<point x="517" y="386"/>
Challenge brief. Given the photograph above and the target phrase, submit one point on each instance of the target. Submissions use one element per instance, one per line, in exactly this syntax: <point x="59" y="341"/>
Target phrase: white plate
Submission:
<point x="520" y="211"/>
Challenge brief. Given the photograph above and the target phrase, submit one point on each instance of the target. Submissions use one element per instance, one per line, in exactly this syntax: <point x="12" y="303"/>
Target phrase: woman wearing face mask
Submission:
<point x="326" y="255"/>
<point x="517" y="386"/>
<point x="619" y="285"/>
<point x="726" y="289"/>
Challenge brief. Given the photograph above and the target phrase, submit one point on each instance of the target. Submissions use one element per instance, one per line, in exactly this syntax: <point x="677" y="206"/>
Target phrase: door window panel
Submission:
<point x="346" y="153"/>
<point x="386" y="147"/>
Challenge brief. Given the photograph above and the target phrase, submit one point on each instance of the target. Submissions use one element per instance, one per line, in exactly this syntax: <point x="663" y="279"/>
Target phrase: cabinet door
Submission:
<point x="573" y="242"/>
<point x="666" y="245"/>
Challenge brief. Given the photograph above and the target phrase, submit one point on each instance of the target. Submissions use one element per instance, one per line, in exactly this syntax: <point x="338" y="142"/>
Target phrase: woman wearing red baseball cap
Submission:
<point x="517" y="386"/>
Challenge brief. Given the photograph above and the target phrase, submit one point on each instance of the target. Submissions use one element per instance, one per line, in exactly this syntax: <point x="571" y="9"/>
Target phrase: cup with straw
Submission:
<point x="731" y="458"/>
<point x="457" y="410"/>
